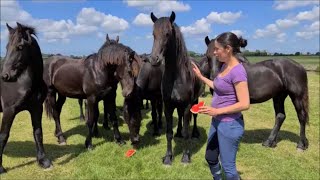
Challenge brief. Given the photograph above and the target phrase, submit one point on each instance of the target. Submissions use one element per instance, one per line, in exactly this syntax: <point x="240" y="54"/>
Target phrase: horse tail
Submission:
<point x="305" y="102"/>
<point x="49" y="104"/>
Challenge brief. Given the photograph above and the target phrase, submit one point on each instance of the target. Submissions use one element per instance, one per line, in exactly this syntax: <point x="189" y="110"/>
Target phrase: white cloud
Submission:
<point x="310" y="31"/>
<point x="224" y="17"/>
<point x="200" y="27"/>
<point x="160" y="8"/>
<point x="281" y="37"/>
<point x="238" y="32"/>
<point x="149" y="36"/>
<point x="12" y="12"/>
<point x="286" y="23"/>
<point x="307" y="34"/>
<point x="143" y="20"/>
<point x="314" y="26"/>
<point x="88" y="20"/>
<point x="309" y="15"/>
<point x="287" y="4"/>
<point x="4" y="35"/>
<point x="269" y="30"/>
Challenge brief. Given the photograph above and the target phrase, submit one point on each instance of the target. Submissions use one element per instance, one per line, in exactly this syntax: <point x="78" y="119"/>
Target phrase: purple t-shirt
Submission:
<point x="225" y="93"/>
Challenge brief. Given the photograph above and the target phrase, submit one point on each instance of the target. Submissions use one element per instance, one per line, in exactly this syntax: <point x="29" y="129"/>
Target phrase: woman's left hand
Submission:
<point x="209" y="110"/>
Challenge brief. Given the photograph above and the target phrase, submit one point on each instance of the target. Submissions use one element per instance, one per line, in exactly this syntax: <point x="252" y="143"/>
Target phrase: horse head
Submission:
<point x="164" y="34"/>
<point x="123" y="62"/>
<point x="18" y="52"/>
<point x="212" y="60"/>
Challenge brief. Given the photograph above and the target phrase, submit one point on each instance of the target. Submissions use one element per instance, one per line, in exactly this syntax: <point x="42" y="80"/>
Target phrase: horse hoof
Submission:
<point x="81" y="119"/>
<point x="45" y="163"/>
<point x="167" y="160"/>
<point x="268" y="143"/>
<point x="195" y="136"/>
<point x="120" y="142"/>
<point x="62" y="141"/>
<point x="106" y="127"/>
<point x="178" y="135"/>
<point x="2" y="170"/>
<point x="156" y="134"/>
<point x="185" y="159"/>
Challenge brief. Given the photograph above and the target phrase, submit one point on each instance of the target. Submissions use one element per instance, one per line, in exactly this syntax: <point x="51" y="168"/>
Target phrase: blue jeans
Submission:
<point x="223" y="142"/>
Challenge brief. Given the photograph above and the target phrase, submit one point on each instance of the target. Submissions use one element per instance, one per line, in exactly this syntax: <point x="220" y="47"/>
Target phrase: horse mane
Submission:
<point x="114" y="53"/>
<point x="181" y="49"/>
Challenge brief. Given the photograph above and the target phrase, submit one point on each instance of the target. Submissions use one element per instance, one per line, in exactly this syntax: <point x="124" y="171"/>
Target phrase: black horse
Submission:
<point x="109" y="102"/>
<point x="180" y="87"/>
<point x="149" y="83"/>
<point x="22" y="87"/>
<point x="93" y="79"/>
<point x="276" y="79"/>
<point x="205" y="66"/>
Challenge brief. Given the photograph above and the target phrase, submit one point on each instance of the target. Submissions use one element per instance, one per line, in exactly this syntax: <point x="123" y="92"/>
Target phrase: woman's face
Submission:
<point x="221" y="52"/>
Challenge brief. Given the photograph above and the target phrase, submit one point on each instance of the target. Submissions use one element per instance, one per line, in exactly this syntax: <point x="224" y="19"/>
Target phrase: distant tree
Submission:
<point x="308" y="53"/>
<point x="297" y="54"/>
<point x="317" y="53"/>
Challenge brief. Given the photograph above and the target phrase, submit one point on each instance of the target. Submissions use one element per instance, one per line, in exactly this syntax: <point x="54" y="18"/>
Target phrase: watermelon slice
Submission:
<point x="195" y="108"/>
<point x="130" y="152"/>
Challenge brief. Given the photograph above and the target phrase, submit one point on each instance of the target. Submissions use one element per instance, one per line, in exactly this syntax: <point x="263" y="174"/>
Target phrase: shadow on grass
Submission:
<point x="261" y="135"/>
<point x="53" y="151"/>
<point x="194" y="144"/>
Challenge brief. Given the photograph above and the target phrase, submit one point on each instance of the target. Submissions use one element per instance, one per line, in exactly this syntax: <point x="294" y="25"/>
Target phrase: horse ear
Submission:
<point x="19" y="26"/>
<point x="10" y="29"/>
<point x="153" y="17"/>
<point x="117" y="39"/>
<point x="172" y="17"/>
<point x="107" y="38"/>
<point x="207" y="40"/>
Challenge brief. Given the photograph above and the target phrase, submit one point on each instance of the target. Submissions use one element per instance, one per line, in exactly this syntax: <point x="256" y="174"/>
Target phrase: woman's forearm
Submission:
<point x="207" y="82"/>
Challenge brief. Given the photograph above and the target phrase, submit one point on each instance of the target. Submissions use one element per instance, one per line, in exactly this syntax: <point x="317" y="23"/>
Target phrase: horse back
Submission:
<point x="267" y="79"/>
<point x="66" y="76"/>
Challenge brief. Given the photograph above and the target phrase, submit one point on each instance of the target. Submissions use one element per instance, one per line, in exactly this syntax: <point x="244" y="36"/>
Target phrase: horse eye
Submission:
<point x="19" y="47"/>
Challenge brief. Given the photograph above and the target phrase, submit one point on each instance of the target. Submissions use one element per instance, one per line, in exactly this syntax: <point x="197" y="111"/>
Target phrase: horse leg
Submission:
<point x="95" y="125"/>
<point x="147" y="104"/>
<point x="7" y="120"/>
<point x="159" y="110"/>
<point x="36" y="118"/>
<point x="300" y="105"/>
<point x="185" y="132"/>
<point x="278" y="104"/>
<point x="106" y="114"/>
<point x="167" y="160"/>
<point x="154" y="118"/>
<point x="111" y="109"/>
<point x="180" y="117"/>
<point x="92" y="111"/>
<point x="81" y="109"/>
<point x="195" y="131"/>
<point x="56" y="116"/>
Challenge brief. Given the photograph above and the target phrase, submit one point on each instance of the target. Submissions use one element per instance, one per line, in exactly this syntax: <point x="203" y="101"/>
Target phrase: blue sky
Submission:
<point x="78" y="27"/>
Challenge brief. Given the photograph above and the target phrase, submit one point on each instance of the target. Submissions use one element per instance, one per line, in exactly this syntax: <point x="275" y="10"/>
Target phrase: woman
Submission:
<point x="231" y="96"/>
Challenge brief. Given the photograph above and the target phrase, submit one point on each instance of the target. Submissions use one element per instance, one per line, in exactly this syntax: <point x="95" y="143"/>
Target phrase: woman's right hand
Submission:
<point x="196" y="70"/>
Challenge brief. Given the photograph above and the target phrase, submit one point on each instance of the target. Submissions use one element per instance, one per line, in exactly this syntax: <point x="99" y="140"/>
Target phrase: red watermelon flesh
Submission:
<point x="195" y="108"/>
<point x="130" y="152"/>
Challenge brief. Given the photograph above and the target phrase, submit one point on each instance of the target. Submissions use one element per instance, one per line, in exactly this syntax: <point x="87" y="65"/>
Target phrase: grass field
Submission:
<point x="107" y="160"/>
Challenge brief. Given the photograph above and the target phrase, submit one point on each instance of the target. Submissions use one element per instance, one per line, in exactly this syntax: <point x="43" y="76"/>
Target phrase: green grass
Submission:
<point x="107" y="160"/>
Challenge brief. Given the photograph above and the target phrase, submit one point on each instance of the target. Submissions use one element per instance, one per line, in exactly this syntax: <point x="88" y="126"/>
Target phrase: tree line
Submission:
<point x="263" y="53"/>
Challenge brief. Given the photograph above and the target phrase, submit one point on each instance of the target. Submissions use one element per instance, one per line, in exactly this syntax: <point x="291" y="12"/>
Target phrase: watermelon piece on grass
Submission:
<point x="130" y="152"/>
